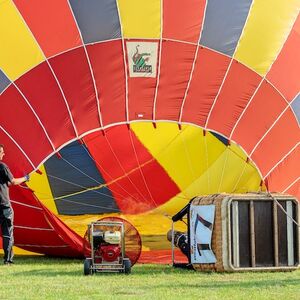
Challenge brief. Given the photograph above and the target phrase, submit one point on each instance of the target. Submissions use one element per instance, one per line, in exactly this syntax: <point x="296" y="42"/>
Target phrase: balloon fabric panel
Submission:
<point x="128" y="169"/>
<point x="4" y="82"/>
<point x="18" y="48"/>
<point x="39" y="184"/>
<point x="258" y="51"/>
<point x="176" y="65"/>
<point x="55" y="236"/>
<point x="13" y="101"/>
<point x="278" y="179"/>
<point x="47" y="101"/>
<point x="226" y="172"/>
<point x="294" y="189"/>
<point x="223" y="24"/>
<point x="18" y="163"/>
<point x="259" y="116"/>
<point x="140" y="19"/>
<point x="97" y="20"/>
<point x="183" y="22"/>
<point x="39" y="235"/>
<point x="35" y="220"/>
<point x="207" y="77"/>
<point x="205" y="164"/>
<point x="108" y="67"/>
<point x="238" y="88"/>
<point x="284" y="73"/>
<point x="51" y="23"/>
<point x="74" y="74"/>
<point x="277" y="143"/>
<point x="168" y="144"/>
<point x="76" y="184"/>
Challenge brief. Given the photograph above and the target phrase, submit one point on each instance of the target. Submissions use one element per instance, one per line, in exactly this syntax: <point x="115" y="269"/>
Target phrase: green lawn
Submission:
<point x="48" y="278"/>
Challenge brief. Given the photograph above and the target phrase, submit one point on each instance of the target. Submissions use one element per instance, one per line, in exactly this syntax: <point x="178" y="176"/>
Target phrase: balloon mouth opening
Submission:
<point x="144" y="169"/>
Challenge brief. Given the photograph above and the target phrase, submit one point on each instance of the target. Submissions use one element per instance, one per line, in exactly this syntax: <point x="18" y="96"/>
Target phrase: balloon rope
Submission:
<point x="284" y="211"/>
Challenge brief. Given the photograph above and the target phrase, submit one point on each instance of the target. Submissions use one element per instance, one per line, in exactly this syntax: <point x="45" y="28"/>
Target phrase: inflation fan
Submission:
<point x="111" y="244"/>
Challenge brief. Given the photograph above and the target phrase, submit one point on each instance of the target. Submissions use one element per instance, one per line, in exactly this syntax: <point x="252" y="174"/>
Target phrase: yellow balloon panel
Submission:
<point x="227" y="172"/>
<point x="265" y="32"/>
<point x="19" y="51"/>
<point x="237" y="175"/>
<point x="179" y="152"/>
<point x="40" y="185"/>
<point x="140" y="18"/>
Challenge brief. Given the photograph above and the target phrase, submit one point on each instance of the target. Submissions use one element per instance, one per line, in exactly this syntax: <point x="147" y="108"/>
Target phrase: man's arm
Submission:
<point x="17" y="181"/>
<point x="6" y="173"/>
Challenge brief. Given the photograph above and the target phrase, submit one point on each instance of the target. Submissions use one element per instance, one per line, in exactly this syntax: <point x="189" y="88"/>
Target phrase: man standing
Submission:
<point x="6" y="211"/>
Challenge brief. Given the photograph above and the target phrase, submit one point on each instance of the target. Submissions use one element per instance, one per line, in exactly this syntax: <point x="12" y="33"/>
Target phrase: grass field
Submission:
<point x="48" y="278"/>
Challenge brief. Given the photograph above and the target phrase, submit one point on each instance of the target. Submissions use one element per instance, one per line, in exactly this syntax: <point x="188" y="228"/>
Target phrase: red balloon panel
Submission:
<point x="237" y="90"/>
<point x="128" y="169"/>
<point x="285" y="174"/>
<point x="284" y="73"/>
<point x="176" y="64"/>
<point x="39" y="238"/>
<point x="182" y="21"/>
<point x="23" y="126"/>
<point x="210" y="69"/>
<point x="47" y="100"/>
<point x="14" y="157"/>
<point x="74" y="74"/>
<point x="277" y="143"/>
<point x="108" y="67"/>
<point x="264" y="109"/>
<point x="51" y="23"/>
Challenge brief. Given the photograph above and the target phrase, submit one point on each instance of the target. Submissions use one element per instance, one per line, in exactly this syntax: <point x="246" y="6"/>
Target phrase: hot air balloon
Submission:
<point x="131" y="108"/>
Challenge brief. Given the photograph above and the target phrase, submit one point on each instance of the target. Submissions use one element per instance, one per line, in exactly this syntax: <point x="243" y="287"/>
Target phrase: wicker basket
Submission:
<point x="225" y="236"/>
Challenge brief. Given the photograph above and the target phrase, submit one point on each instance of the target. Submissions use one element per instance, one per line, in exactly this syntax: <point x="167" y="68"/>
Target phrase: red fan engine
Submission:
<point x="108" y="245"/>
<point x="112" y="245"/>
<point x="110" y="253"/>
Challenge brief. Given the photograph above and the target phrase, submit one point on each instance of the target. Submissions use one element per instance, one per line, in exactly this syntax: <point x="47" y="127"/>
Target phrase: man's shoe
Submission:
<point x="8" y="263"/>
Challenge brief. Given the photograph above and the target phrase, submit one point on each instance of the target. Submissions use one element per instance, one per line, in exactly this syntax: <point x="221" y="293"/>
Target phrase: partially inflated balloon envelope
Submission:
<point x="131" y="108"/>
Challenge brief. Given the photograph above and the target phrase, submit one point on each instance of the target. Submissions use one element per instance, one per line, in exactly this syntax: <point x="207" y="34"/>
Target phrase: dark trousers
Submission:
<point x="6" y="221"/>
